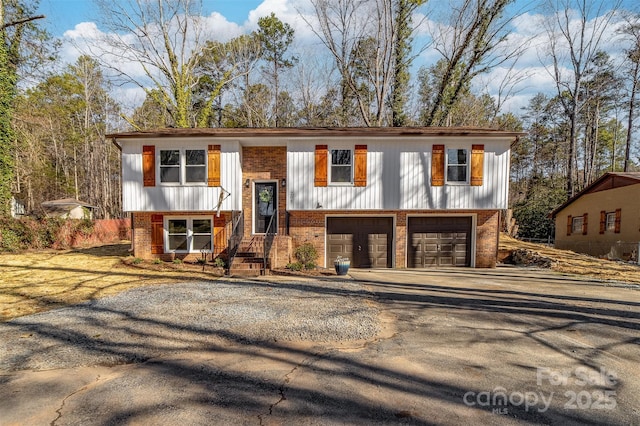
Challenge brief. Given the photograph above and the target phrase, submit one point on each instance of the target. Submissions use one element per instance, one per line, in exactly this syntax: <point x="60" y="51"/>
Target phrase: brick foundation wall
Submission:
<point x="141" y="235"/>
<point x="308" y="227"/>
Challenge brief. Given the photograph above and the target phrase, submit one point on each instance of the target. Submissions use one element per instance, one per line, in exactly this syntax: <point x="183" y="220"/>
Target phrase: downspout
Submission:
<point x="115" y="142"/>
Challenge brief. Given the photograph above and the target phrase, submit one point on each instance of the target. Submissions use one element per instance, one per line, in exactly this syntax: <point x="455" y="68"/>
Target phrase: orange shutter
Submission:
<point x="477" y="164"/>
<point x="321" y="165"/>
<point x="360" y="176"/>
<point x="157" y="234"/>
<point x="148" y="165"/>
<point x="214" y="165"/>
<point x="603" y="221"/>
<point x="569" y="225"/>
<point x="437" y="165"/>
<point x="585" y="223"/>
<point x="618" y="218"/>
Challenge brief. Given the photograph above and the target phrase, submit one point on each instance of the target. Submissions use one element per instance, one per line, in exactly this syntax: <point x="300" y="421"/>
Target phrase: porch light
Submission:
<point x="246" y="183"/>
<point x="284" y="182"/>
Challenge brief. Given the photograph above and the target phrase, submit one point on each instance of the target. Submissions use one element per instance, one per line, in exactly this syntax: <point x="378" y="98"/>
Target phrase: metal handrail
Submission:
<point x="268" y="240"/>
<point x="236" y="236"/>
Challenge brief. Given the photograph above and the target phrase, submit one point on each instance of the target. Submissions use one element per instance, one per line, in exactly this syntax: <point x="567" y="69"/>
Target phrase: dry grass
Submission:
<point x="38" y="281"/>
<point x="32" y="282"/>
<point x="569" y="262"/>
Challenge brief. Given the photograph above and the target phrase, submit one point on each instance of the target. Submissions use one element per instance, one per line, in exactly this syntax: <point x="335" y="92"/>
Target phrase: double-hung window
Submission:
<point x="189" y="235"/>
<point x="183" y="166"/>
<point x="341" y="166"/>
<point x="610" y="224"/>
<point x="457" y="165"/>
<point x="576" y="225"/>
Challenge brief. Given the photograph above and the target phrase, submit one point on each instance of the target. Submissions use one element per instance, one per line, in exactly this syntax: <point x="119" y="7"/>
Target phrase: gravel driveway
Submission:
<point x="147" y="322"/>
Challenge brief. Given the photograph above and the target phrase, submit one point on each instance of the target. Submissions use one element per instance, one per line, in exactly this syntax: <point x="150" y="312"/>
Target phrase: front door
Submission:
<point x="265" y="207"/>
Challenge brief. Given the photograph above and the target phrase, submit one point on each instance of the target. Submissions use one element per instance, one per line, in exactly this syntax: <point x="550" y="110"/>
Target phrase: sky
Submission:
<point x="71" y="20"/>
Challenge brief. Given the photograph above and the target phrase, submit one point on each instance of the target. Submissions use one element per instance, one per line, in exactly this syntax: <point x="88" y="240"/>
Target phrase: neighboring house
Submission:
<point x="603" y="219"/>
<point x="68" y="208"/>
<point x="384" y="197"/>
<point x="17" y="208"/>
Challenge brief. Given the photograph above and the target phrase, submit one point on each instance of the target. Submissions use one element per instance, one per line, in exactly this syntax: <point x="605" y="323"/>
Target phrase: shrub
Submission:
<point x="136" y="261"/>
<point x="306" y="253"/>
<point x="218" y="262"/>
<point x="295" y="266"/>
<point x="177" y="261"/>
<point x="10" y="241"/>
<point x="310" y="265"/>
<point x="157" y="261"/>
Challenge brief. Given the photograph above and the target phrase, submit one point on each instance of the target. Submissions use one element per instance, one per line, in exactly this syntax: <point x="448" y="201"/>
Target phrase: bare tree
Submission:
<point x="573" y="42"/>
<point x="632" y="31"/>
<point x="165" y="39"/>
<point x="345" y="27"/>
<point x="473" y="42"/>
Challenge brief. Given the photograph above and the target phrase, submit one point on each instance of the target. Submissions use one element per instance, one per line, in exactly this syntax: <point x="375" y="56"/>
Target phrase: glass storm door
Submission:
<point x="265" y="207"/>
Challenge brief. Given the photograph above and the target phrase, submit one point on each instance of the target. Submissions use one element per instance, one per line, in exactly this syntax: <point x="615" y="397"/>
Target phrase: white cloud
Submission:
<point x="526" y="30"/>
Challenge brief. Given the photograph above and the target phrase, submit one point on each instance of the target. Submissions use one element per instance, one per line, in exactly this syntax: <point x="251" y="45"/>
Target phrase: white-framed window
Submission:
<point x="183" y="166"/>
<point x="576" y="225"/>
<point x="610" y="224"/>
<point x="188" y="234"/>
<point x="340" y="166"/>
<point x="457" y="165"/>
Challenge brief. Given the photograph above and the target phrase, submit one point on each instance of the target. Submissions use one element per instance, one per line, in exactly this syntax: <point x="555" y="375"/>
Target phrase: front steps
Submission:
<point x="249" y="260"/>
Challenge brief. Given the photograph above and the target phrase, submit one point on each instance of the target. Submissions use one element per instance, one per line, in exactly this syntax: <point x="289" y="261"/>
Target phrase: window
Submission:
<point x="170" y="166"/>
<point x="196" y="166"/>
<point x="183" y="166"/>
<point x="341" y="166"/>
<point x="457" y="165"/>
<point x="188" y="235"/>
<point x="576" y="225"/>
<point x="611" y="222"/>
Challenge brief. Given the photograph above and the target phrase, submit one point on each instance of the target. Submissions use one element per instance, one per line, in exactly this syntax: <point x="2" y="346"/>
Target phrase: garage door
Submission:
<point x="439" y="241"/>
<point x="367" y="241"/>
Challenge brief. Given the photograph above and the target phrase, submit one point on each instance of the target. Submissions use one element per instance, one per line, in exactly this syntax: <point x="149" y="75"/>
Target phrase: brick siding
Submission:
<point x="308" y="227"/>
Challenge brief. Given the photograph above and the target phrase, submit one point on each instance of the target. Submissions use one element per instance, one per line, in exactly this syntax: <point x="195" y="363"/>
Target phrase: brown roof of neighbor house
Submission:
<point x="316" y="131"/>
<point x="609" y="180"/>
<point x="64" y="205"/>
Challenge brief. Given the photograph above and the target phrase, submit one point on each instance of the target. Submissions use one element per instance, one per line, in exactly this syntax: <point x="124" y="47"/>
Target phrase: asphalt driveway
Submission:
<point x="503" y="346"/>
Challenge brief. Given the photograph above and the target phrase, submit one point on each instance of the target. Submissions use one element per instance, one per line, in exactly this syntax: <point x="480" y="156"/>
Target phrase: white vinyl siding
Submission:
<point x="398" y="177"/>
<point x="175" y="197"/>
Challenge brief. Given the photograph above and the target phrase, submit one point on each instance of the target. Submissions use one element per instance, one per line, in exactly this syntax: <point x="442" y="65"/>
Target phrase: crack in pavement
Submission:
<point x="64" y="400"/>
<point x="287" y="380"/>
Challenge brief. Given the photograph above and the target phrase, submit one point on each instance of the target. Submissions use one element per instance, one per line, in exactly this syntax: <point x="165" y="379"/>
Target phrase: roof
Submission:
<point x="316" y="131"/>
<point x="67" y="202"/>
<point x="610" y="180"/>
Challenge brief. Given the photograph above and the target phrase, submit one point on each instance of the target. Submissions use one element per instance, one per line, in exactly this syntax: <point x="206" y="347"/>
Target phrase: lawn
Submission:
<point x="32" y="282"/>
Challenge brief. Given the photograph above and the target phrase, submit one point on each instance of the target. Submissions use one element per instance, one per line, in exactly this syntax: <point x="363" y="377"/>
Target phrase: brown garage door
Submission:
<point x="439" y="241"/>
<point x="367" y="241"/>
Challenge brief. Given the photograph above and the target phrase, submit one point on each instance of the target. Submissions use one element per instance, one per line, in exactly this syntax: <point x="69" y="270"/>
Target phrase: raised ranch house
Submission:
<point x="603" y="219"/>
<point x="383" y="197"/>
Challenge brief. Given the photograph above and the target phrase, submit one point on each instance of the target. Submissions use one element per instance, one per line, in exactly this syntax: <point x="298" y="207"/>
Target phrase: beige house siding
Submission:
<point x="615" y="245"/>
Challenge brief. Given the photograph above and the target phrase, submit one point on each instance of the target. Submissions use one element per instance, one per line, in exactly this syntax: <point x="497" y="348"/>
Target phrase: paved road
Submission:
<point x="503" y="346"/>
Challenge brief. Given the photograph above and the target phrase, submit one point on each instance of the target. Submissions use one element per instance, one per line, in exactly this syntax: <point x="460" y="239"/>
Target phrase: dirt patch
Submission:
<point x="569" y="262"/>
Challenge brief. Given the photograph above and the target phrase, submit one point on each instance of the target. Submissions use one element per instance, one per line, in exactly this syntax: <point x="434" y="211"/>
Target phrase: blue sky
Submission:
<point x="62" y="15"/>
<point x="230" y="18"/>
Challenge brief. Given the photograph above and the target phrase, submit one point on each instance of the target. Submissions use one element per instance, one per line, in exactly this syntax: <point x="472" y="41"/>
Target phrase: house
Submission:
<point x="384" y="197"/>
<point x="603" y="219"/>
<point x="18" y="208"/>
<point x="68" y="208"/>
